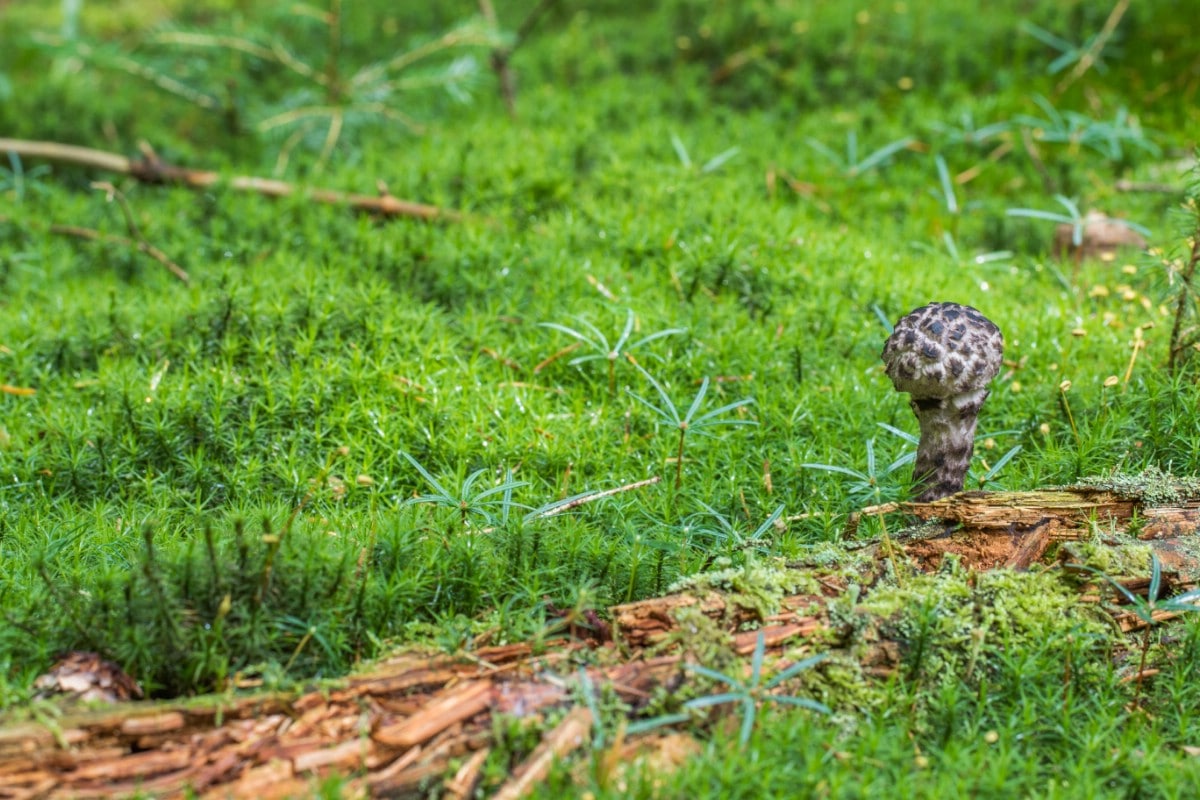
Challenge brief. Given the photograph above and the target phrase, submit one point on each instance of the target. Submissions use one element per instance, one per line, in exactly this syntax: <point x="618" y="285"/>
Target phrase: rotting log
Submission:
<point x="988" y="530"/>
<point x="420" y="720"/>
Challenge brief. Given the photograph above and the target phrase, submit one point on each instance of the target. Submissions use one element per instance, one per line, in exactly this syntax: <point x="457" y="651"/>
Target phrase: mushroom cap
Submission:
<point x="941" y="350"/>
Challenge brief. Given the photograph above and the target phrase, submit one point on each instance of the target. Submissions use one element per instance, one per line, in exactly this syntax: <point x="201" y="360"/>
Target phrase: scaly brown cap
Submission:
<point x="943" y="349"/>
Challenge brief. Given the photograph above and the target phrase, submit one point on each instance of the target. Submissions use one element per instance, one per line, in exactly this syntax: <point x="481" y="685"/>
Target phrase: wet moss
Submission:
<point x="756" y="586"/>
<point x="1152" y="486"/>
<point x="959" y="625"/>
<point x="1112" y="552"/>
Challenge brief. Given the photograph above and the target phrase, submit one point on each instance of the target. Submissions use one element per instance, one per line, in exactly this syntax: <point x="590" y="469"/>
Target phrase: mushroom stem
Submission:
<point x="947" y="443"/>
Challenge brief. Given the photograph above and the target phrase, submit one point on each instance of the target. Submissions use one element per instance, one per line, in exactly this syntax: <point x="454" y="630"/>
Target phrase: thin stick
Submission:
<point x="500" y="61"/>
<point x="1145" y="186"/>
<point x="571" y="348"/>
<point x="1138" y="344"/>
<point x="590" y="498"/>
<point x="890" y="550"/>
<point x="1089" y="58"/>
<point x="679" y="459"/>
<point x="1031" y="149"/>
<point x="1186" y="275"/>
<point x="141" y="247"/>
<point x="151" y="169"/>
<point x="884" y="508"/>
<point x="1062" y="393"/>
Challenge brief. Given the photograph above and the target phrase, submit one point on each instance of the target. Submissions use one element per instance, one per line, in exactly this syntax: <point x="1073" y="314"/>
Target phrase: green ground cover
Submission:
<point x="767" y="185"/>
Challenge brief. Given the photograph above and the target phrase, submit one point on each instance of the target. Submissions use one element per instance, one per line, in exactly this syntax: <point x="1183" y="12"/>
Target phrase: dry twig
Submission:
<point x="1186" y="275"/>
<point x="589" y="498"/>
<point x="151" y="169"/>
<point x="141" y="246"/>
<point x="1089" y="58"/>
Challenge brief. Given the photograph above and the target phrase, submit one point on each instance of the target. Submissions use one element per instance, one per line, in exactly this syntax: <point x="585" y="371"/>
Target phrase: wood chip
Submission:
<point x="570" y="735"/>
<point x="137" y="765"/>
<point x="463" y="784"/>
<point x="160" y="723"/>
<point x="349" y="755"/>
<point x="448" y="707"/>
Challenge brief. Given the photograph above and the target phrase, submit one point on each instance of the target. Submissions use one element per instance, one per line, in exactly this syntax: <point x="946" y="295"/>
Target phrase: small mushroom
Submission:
<point x="944" y="355"/>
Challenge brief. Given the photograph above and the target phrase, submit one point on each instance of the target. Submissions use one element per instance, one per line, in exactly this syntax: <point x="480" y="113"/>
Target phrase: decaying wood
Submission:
<point x="997" y="529"/>
<point x="419" y="721"/>
<point x="569" y="735"/>
<point x="151" y="169"/>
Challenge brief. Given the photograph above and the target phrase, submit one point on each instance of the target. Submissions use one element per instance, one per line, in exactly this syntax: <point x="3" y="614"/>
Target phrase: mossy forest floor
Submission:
<point x="347" y="434"/>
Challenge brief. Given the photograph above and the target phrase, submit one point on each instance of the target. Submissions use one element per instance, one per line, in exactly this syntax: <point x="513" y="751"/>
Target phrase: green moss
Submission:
<point x="756" y="586"/>
<point x="1112" y="552"/>
<point x="1152" y="486"/>
<point x="705" y="640"/>
<point x="957" y="625"/>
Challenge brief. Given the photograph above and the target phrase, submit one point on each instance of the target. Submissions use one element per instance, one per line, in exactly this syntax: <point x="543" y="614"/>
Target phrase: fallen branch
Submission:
<point x="410" y="721"/>
<point x="151" y="169"/>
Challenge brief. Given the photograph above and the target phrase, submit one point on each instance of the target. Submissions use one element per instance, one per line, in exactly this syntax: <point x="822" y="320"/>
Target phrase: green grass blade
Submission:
<point x="756" y="660"/>
<point x="646" y="725"/>
<point x="905" y="435"/>
<point x="709" y="418"/>
<point x="437" y="487"/>
<point x="1155" y="579"/>
<point x="802" y="702"/>
<point x="749" y="715"/>
<point x="714" y="700"/>
<point x="796" y="669"/>
<point x="842" y="470"/>
<point x="696" y="401"/>
<point x="1000" y="463"/>
<point x="574" y="334"/>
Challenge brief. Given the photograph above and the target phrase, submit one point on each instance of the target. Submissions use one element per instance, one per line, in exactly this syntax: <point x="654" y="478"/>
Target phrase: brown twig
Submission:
<point x="1031" y="149"/>
<point x="151" y="169"/>
<point x="1145" y="186"/>
<point x="1089" y="58"/>
<point x="541" y="365"/>
<point x="499" y="61"/>
<point x="589" y="498"/>
<point x="140" y="246"/>
<point x="1186" y="275"/>
<point x="501" y="57"/>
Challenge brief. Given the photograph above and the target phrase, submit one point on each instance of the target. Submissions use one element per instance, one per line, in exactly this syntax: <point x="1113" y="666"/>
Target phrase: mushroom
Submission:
<point x="944" y="355"/>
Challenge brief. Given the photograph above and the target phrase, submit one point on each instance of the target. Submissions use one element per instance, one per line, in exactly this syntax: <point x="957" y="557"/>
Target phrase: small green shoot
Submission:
<point x="872" y="486"/>
<point x="712" y="165"/>
<point x="1150" y="608"/>
<point x="849" y="162"/>
<point x="598" y="343"/>
<point x="689" y="422"/>
<point x="749" y="695"/>
<point x="492" y="504"/>
<point x="726" y="533"/>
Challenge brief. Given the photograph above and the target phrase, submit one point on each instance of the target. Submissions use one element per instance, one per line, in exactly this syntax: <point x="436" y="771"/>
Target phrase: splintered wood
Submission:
<point x="988" y="530"/>
<point x="421" y="723"/>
